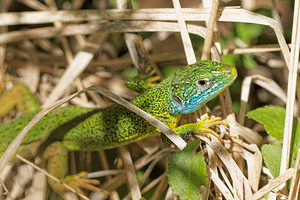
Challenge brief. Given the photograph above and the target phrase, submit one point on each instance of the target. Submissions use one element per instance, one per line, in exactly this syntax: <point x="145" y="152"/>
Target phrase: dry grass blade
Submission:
<point x="292" y="80"/>
<point x="64" y="41"/>
<point x="154" y="14"/>
<point x="134" y="43"/>
<point x="136" y="50"/>
<point x="253" y="49"/>
<point x="266" y="83"/>
<point x="104" y="163"/>
<point x="187" y="44"/>
<point x="273" y="184"/>
<point x="153" y="183"/>
<point x="226" y="180"/>
<point x="4" y="5"/>
<point x="79" y="63"/>
<point x="6" y="170"/>
<point x="6" y="192"/>
<point x="294" y="192"/>
<point x="227" y="14"/>
<point x="212" y="164"/>
<point x="133" y="184"/>
<point x="130" y="171"/>
<point x="34" y="4"/>
<point x="23" y="177"/>
<point x="104" y="173"/>
<point x="210" y="30"/>
<point x="240" y="183"/>
<point x="222" y="187"/>
<point x="254" y="162"/>
<point x="39" y="186"/>
<point x="149" y="170"/>
<point x="119" y="26"/>
<point x="161" y="187"/>
<point x="125" y="62"/>
<point x="117" y="181"/>
<point x="247" y="134"/>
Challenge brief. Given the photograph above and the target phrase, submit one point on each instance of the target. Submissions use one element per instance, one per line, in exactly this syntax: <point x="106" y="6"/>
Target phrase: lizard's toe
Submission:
<point x="205" y="126"/>
<point x="78" y="182"/>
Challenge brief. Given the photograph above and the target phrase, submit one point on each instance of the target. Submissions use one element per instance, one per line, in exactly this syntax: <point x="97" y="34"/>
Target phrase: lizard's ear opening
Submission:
<point x="177" y="99"/>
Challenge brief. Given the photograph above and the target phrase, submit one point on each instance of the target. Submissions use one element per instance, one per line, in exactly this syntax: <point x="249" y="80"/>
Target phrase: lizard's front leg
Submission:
<point x="56" y="156"/>
<point x="202" y="127"/>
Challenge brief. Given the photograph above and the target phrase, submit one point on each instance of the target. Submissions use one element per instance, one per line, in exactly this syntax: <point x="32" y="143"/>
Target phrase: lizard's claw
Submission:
<point x="151" y="78"/>
<point x="143" y="82"/>
<point x="78" y="182"/>
<point x="202" y="127"/>
<point x="205" y="124"/>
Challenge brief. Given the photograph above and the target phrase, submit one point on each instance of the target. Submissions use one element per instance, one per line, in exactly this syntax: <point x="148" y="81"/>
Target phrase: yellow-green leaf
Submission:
<point x="187" y="172"/>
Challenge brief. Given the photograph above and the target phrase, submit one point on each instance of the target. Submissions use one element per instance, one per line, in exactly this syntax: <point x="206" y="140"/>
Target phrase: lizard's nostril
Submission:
<point x="228" y="73"/>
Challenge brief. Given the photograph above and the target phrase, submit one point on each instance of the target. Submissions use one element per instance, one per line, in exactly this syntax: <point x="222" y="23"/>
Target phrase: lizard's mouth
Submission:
<point x="233" y="75"/>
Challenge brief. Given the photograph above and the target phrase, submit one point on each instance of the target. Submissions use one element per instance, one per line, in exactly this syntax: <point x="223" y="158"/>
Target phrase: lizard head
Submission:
<point x="195" y="84"/>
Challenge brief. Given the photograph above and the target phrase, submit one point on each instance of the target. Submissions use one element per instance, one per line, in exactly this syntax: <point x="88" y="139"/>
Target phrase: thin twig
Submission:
<point x="292" y="79"/>
<point x="186" y="40"/>
<point x="210" y="30"/>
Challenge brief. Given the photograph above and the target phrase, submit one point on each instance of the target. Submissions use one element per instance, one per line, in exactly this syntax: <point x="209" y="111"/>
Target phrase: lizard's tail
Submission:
<point x="57" y="122"/>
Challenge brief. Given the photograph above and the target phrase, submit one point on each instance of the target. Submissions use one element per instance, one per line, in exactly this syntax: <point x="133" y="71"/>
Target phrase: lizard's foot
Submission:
<point x="150" y="78"/>
<point x="203" y="127"/>
<point x="143" y="82"/>
<point x="78" y="182"/>
<point x="56" y="156"/>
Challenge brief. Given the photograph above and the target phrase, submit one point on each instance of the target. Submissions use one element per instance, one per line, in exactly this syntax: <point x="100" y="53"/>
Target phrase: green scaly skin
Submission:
<point x="91" y="129"/>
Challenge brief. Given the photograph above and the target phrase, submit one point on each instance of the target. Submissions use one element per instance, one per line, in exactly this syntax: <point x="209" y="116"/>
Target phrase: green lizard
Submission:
<point x="77" y="128"/>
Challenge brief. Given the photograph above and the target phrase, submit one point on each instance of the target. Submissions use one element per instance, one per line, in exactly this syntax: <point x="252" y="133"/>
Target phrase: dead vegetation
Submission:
<point x="60" y="47"/>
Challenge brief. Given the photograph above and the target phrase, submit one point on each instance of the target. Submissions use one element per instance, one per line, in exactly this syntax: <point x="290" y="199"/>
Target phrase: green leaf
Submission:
<point x="272" y="117"/>
<point x="272" y="157"/>
<point x="187" y="172"/>
<point x="167" y="71"/>
<point x="249" y="61"/>
<point x="230" y="59"/>
<point x="246" y="31"/>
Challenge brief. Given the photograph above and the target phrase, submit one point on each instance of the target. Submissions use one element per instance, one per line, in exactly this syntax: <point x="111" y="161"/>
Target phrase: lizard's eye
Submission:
<point x="202" y="82"/>
<point x="177" y="99"/>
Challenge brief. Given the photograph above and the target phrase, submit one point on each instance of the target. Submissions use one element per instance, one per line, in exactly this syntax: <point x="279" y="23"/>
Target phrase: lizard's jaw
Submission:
<point x="233" y="75"/>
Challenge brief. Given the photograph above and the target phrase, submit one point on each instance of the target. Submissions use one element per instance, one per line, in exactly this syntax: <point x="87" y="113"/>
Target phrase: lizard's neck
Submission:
<point x="157" y="102"/>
